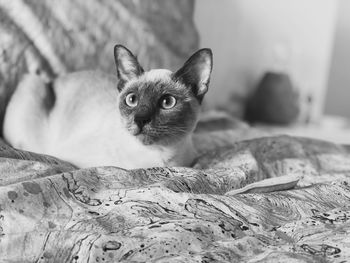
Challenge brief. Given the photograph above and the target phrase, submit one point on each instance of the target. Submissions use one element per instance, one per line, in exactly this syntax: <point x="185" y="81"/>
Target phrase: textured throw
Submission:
<point x="52" y="212"/>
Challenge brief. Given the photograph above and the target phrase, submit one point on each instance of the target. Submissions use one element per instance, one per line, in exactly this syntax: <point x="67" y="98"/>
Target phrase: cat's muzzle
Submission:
<point x="141" y="133"/>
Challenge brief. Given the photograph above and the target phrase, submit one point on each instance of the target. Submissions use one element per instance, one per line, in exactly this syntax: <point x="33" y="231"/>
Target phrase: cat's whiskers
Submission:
<point x="173" y="130"/>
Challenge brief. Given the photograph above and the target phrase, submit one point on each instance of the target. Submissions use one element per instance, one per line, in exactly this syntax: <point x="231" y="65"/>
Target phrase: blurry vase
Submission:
<point x="275" y="100"/>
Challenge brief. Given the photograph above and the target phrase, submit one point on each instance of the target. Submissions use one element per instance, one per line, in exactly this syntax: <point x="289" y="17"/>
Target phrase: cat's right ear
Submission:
<point x="128" y="67"/>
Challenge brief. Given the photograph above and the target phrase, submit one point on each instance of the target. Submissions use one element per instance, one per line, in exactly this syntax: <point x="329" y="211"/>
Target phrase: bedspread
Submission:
<point x="50" y="211"/>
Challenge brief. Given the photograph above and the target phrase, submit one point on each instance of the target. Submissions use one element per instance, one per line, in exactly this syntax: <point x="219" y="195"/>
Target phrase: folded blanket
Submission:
<point x="51" y="211"/>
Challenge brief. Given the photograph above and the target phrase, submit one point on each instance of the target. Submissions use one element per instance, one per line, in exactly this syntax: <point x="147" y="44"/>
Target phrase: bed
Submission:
<point x="53" y="212"/>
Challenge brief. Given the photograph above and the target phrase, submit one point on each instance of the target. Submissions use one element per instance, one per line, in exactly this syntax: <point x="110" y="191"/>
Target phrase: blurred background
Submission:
<point x="305" y="42"/>
<point x="281" y="66"/>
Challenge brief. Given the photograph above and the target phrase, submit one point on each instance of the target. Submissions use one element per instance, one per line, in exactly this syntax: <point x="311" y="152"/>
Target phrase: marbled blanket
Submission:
<point x="51" y="211"/>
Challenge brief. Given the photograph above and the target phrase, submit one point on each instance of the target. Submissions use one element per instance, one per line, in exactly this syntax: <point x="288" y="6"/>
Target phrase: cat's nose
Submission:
<point x="141" y="120"/>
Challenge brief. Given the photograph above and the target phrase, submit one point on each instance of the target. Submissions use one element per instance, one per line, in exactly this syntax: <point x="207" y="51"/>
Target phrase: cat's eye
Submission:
<point x="131" y="100"/>
<point x="167" y="102"/>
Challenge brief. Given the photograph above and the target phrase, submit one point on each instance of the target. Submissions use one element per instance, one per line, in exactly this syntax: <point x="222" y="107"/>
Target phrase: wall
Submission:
<point x="338" y="95"/>
<point x="249" y="37"/>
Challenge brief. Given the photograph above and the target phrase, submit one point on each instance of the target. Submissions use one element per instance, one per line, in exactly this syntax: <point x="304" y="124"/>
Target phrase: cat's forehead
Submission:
<point x="156" y="75"/>
<point x="157" y="81"/>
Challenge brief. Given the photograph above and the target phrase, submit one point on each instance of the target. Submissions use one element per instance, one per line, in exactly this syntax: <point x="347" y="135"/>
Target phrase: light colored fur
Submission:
<point x="84" y="126"/>
<point x="157" y="74"/>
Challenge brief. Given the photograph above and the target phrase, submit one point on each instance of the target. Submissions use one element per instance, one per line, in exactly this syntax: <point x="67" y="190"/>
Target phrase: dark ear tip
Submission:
<point x="206" y="51"/>
<point x="118" y="48"/>
<point x="206" y="54"/>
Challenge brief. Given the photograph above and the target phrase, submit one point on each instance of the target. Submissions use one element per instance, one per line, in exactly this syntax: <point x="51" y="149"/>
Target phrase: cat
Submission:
<point x="134" y="119"/>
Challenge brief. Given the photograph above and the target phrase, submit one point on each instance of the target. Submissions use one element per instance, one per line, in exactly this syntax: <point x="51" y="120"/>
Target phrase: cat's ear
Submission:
<point x="127" y="65"/>
<point x="196" y="71"/>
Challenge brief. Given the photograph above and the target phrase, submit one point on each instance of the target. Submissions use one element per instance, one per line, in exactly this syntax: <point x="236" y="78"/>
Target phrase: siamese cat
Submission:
<point x="136" y="119"/>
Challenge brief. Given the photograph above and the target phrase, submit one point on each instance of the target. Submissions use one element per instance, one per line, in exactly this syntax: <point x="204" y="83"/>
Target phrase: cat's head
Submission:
<point x="159" y="106"/>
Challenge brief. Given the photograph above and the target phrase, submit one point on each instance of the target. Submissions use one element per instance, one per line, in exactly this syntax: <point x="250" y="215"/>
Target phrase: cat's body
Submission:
<point x="85" y="119"/>
<point x="80" y="130"/>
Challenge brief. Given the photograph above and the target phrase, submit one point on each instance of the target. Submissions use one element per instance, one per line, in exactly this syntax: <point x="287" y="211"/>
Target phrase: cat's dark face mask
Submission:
<point x="158" y="106"/>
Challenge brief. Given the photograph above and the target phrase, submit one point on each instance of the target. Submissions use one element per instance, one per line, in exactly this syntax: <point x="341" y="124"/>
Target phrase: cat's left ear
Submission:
<point x="127" y="65"/>
<point x="196" y="71"/>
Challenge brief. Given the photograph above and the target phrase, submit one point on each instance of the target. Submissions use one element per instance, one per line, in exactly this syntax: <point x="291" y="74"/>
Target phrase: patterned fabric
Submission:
<point x="52" y="212"/>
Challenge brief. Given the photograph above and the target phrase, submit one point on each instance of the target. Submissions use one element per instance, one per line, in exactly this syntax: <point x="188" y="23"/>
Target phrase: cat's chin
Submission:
<point x="145" y="139"/>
